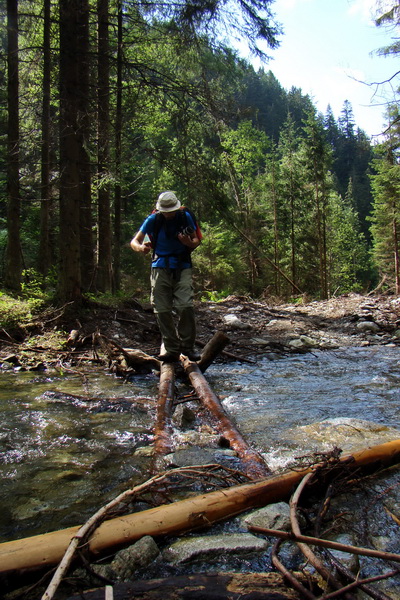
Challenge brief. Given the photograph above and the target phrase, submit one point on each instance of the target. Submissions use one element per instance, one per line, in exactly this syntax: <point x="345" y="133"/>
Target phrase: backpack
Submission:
<point x="183" y="222"/>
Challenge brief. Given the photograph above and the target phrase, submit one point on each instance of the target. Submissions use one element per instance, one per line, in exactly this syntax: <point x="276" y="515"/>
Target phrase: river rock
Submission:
<point x="234" y="322"/>
<point x="184" y="417"/>
<point x="210" y="546"/>
<point x="368" y="326"/>
<point x="350" y="561"/>
<point x="274" y="516"/>
<point x="135" y="557"/>
<point x="304" y="341"/>
<point x="345" y="433"/>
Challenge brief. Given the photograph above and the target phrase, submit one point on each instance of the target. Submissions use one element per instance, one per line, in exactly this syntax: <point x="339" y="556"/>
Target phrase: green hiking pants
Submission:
<point x="171" y="292"/>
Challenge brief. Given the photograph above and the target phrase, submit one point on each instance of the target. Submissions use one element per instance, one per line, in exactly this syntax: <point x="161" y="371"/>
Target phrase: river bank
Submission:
<point x="255" y="329"/>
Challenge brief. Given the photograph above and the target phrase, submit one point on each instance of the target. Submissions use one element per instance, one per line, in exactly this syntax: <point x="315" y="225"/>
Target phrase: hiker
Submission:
<point x="171" y="232"/>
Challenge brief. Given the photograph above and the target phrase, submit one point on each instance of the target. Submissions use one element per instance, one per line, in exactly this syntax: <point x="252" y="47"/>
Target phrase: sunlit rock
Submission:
<point x="209" y="546"/>
<point x="368" y="326"/>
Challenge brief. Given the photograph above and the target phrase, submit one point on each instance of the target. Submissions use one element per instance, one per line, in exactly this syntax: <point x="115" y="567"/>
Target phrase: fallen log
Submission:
<point x="224" y="586"/>
<point x="254" y="464"/>
<point x="46" y="550"/>
<point x="163" y="426"/>
<point x="214" y="347"/>
<point x="124" y="358"/>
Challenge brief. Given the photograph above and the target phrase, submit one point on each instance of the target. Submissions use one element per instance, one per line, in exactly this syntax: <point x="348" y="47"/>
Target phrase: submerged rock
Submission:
<point x="346" y="433"/>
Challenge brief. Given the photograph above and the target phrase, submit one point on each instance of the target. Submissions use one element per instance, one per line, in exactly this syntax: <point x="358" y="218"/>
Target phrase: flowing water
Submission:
<point x="70" y="443"/>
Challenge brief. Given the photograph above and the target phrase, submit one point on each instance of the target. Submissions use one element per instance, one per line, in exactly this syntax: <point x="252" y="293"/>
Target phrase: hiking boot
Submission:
<point x="168" y="357"/>
<point x="192" y="355"/>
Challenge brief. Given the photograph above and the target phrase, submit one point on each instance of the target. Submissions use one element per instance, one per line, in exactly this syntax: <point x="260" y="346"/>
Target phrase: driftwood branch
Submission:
<point x="308" y="539"/>
<point x="124" y="358"/>
<point x="361" y="584"/>
<point x="294" y="582"/>
<point x="83" y="533"/>
<point x="305" y="549"/>
<point x="81" y="537"/>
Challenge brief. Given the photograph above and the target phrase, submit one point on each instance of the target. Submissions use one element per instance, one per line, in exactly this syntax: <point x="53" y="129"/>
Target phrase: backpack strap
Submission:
<point x="158" y="221"/>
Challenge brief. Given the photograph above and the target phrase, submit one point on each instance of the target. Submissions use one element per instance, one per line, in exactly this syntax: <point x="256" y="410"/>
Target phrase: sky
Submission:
<point x="327" y="50"/>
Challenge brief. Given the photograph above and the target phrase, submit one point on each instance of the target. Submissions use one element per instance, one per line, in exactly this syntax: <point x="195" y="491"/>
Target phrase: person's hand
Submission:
<point x="185" y="239"/>
<point x="146" y="247"/>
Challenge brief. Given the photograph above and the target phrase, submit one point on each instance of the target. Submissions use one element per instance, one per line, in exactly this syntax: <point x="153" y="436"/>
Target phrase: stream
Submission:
<point x="69" y="443"/>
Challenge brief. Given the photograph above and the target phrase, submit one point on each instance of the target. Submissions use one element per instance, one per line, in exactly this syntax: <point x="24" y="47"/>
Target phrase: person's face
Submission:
<point x="170" y="215"/>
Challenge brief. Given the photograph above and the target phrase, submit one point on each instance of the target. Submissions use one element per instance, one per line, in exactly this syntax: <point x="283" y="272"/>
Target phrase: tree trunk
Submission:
<point x="84" y="120"/>
<point x="13" y="263"/>
<point x="396" y="256"/>
<point x="70" y="267"/>
<point x="41" y="551"/>
<point x="118" y="151"/>
<point x="104" y="267"/>
<point x="44" y="261"/>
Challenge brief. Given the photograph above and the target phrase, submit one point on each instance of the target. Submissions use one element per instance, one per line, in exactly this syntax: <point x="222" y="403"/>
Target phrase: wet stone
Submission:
<point x="274" y="516"/>
<point x="208" y="547"/>
<point x="134" y="558"/>
<point x="368" y="326"/>
<point x="350" y="561"/>
<point x="184" y="417"/>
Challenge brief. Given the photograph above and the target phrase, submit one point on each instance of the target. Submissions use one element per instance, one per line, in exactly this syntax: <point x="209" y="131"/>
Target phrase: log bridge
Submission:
<point x="252" y="462"/>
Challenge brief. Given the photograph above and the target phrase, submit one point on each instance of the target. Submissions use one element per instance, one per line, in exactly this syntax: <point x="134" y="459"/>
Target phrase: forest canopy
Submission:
<point x="105" y="104"/>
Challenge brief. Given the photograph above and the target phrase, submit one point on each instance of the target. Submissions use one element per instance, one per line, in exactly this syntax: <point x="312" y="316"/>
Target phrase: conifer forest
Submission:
<point x="107" y="103"/>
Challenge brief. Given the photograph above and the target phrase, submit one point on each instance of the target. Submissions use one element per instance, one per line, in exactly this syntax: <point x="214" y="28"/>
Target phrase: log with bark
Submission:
<point x="163" y="426"/>
<point x="122" y="359"/>
<point x="186" y="515"/>
<point x="224" y="586"/>
<point x="211" y="350"/>
<point x="253" y="462"/>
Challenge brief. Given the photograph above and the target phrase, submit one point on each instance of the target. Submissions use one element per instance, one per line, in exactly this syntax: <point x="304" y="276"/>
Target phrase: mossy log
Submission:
<point x="45" y="550"/>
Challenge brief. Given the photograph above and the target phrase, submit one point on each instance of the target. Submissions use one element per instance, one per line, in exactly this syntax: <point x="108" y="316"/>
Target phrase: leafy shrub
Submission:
<point x="13" y="311"/>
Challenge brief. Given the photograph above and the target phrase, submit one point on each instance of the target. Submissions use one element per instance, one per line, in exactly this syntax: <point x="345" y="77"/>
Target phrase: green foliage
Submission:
<point x="14" y="312"/>
<point x="218" y="262"/>
<point x="214" y="296"/>
<point x="385" y="217"/>
<point x="348" y="260"/>
<point x="277" y="188"/>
